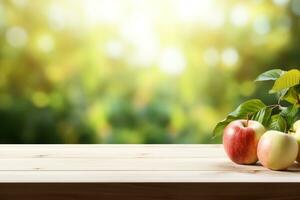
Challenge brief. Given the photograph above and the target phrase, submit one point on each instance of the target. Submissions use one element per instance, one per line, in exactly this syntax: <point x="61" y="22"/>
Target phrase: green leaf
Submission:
<point x="218" y="130"/>
<point x="291" y="95"/>
<point x="282" y="93"/>
<point x="277" y="123"/>
<point x="243" y="111"/>
<point x="290" y="115"/>
<point x="248" y="108"/>
<point x="270" y="75"/>
<point x="287" y="80"/>
<point x="263" y="116"/>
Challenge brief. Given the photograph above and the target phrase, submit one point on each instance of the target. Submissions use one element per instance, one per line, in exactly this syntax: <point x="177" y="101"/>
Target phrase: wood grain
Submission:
<point x="130" y="163"/>
<point x="137" y="172"/>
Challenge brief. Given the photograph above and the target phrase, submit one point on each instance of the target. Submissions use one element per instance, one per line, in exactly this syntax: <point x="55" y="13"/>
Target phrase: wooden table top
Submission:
<point x="129" y="163"/>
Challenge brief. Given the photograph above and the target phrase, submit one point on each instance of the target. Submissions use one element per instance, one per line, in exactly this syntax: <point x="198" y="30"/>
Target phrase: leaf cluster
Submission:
<point x="274" y="117"/>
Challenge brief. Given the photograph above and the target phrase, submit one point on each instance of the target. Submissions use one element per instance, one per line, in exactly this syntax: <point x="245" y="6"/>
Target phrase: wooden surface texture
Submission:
<point x="130" y="163"/>
<point x="137" y="172"/>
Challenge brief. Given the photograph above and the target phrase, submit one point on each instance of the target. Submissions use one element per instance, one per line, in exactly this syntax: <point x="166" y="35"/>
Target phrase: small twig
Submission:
<point x="276" y="106"/>
<point x="273" y="106"/>
<point x="279" y="100"/>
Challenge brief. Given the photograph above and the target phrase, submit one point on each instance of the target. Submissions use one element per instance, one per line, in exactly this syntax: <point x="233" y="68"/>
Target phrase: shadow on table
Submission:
<point x="230" y="166"/>
<point x="294" y="168"/>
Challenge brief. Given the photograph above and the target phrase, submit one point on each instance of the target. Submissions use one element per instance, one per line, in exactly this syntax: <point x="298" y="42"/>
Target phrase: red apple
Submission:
<point x="277" y="150"/>
<point x="240" y="139"/>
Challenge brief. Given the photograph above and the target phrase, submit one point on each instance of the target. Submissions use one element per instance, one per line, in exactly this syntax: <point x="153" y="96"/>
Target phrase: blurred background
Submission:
<point x="136" y="71"/>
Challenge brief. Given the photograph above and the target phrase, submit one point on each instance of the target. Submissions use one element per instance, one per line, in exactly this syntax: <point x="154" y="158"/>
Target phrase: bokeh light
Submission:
<point x="136" y="71"/>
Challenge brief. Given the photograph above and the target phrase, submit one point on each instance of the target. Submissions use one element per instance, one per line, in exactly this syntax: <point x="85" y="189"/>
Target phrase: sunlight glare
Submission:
<point x="240" y="15"/>
<point x="114" y="49"/>
<point x="230" y="57"/>
<point x="172" y="61"/>
<point x="194" y="10"/>
<point x="103" y="11"/>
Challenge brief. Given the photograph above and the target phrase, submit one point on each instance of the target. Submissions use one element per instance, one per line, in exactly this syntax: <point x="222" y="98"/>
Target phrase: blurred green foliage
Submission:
<point x="88" y="71"/>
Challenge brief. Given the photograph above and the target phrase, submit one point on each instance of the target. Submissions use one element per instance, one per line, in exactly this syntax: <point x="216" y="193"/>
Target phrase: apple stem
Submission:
<point x="248" y="118"/>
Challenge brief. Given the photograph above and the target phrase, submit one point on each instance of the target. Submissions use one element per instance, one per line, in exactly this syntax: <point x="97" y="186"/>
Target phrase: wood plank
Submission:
<point x="129" y="163"/>
<point x="140" y="164"/>
<point x="110" y="151"/>
<point x="137" y="172"/>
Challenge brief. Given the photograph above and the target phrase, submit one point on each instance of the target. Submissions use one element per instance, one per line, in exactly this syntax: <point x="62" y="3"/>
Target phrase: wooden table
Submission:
<point x="137" y="172"/>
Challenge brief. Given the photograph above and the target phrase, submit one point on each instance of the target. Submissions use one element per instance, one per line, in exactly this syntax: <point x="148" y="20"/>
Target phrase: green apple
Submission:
<point x="297" y="136"/>
<point x="277" y="150"/>
<point x="296" y="128"/>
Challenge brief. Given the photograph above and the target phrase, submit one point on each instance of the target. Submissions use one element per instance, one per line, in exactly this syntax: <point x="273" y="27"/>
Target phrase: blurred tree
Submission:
<point x="88" y="71"/>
